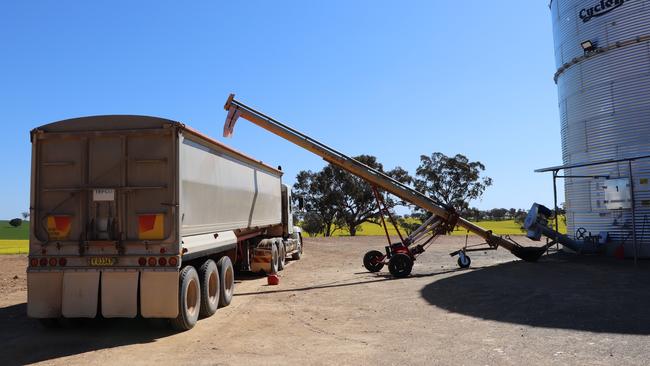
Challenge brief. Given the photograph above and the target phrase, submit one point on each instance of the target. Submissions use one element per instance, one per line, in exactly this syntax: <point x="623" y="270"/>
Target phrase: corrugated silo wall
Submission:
<point x="604" y="102"/>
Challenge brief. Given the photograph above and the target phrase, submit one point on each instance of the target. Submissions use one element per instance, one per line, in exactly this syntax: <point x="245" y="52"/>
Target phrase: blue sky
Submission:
<point x="391" y="79"/>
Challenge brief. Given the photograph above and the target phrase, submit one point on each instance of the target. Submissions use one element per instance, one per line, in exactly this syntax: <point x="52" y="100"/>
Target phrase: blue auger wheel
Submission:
<point x="464" y="260"/>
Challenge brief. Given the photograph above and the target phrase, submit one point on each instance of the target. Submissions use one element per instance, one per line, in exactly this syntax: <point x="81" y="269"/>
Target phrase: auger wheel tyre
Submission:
<point x="464" y="261"/>
<point x="210" y="288"/>
<point x="400" y="265"/>
<point x="189" y="300"/>
<point x="373" y="261"/>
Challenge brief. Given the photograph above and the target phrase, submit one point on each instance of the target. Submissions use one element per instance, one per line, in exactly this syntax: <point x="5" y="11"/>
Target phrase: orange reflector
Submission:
<point x="151" y="227"/>
<point x="58" y="227"/>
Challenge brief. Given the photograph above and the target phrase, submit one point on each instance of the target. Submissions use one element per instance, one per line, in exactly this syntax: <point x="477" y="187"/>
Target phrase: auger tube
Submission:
<point x="238" y="109"/>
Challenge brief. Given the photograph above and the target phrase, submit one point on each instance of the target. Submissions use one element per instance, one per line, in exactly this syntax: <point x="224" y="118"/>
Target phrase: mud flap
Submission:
<point x="44" y="294"/>
<point x="159" y="294"/>
<point x="79" y="294"/>
<point x="120" y="294"/>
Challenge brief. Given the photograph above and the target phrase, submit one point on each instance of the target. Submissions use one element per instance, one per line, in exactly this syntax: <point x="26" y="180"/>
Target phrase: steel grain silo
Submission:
<point x="602" y="54"/>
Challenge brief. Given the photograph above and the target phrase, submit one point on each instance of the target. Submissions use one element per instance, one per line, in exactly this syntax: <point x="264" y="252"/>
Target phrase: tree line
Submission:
<point x="335" y="199"/>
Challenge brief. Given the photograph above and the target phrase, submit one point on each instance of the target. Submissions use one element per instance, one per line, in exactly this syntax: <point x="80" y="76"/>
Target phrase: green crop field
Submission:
<point x="13" y="240"/>
<point x="503" y="227"/>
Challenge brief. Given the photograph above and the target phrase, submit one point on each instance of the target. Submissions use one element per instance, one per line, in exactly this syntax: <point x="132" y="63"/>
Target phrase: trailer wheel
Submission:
<point x="282" y="258"/>
<point x="296" y="256"/>
<point x="189" y="300"/>
<point x="464" y="261"/>
<point x="227" y="283"/>
<point x="274" y="260"/>
<point x="400" y="265"/>
<point x="373" y="261"/>
<point x="210" y="288"/>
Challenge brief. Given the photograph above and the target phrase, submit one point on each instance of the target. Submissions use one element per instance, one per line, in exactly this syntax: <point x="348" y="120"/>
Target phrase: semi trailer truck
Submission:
<point x="144" y="216"/>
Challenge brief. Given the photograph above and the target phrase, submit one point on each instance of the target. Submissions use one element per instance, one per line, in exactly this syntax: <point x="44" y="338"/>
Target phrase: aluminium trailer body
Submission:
<point x="137" y="215"/>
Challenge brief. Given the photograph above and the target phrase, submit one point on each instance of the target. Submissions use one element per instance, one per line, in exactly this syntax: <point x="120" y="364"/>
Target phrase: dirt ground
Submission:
<point x="328" y="310"/>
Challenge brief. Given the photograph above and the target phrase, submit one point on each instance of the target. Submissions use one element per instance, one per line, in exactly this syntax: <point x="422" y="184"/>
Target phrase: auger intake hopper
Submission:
<point x="529" y="254"/>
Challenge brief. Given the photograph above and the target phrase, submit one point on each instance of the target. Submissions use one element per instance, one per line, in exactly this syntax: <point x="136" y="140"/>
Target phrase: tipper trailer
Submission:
<point x="399" y="256"/>
<point x="137" y="215"/>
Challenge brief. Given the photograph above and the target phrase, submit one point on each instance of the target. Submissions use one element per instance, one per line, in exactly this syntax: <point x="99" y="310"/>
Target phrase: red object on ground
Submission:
<point x="620" y="252"/>
<point x="273" y="279"/>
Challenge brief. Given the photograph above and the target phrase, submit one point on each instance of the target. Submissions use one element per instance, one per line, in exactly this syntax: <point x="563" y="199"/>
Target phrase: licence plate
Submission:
<point x="103" y="194"/>
<point x="102" y="261"/>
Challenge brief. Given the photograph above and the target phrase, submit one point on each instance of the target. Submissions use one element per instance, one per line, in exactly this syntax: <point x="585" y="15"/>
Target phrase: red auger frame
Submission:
<point x="400" y="256"/>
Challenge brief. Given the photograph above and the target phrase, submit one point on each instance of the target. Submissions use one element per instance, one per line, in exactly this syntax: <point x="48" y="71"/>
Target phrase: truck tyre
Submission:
<point x="274" y="259"/>
<point x="282" y="257"/>
<point x="227" y="281"/>
<point x="298" y="253"/>
<point x="210" y="288"/>
<point x="189" y="299"/>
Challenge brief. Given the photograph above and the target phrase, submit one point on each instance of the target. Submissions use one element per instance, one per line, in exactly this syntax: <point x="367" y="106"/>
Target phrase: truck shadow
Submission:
<point x="25" y="340"/>
<point x="370" y="278"/>
<point x="561" y="291"/>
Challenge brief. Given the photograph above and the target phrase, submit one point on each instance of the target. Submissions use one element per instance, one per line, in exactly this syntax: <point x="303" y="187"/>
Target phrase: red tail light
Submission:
<point x="63" y="262"/>
<point x="162" y="261"/>
<point x="142" y="261"/>
<point x="152" y="262"/>
<point x="163" y="250"/>
<point x="52" y="262"/>
<point x="33" y="262"/>
<point x="173" y="261"/>
<point x="43" y="262"/>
